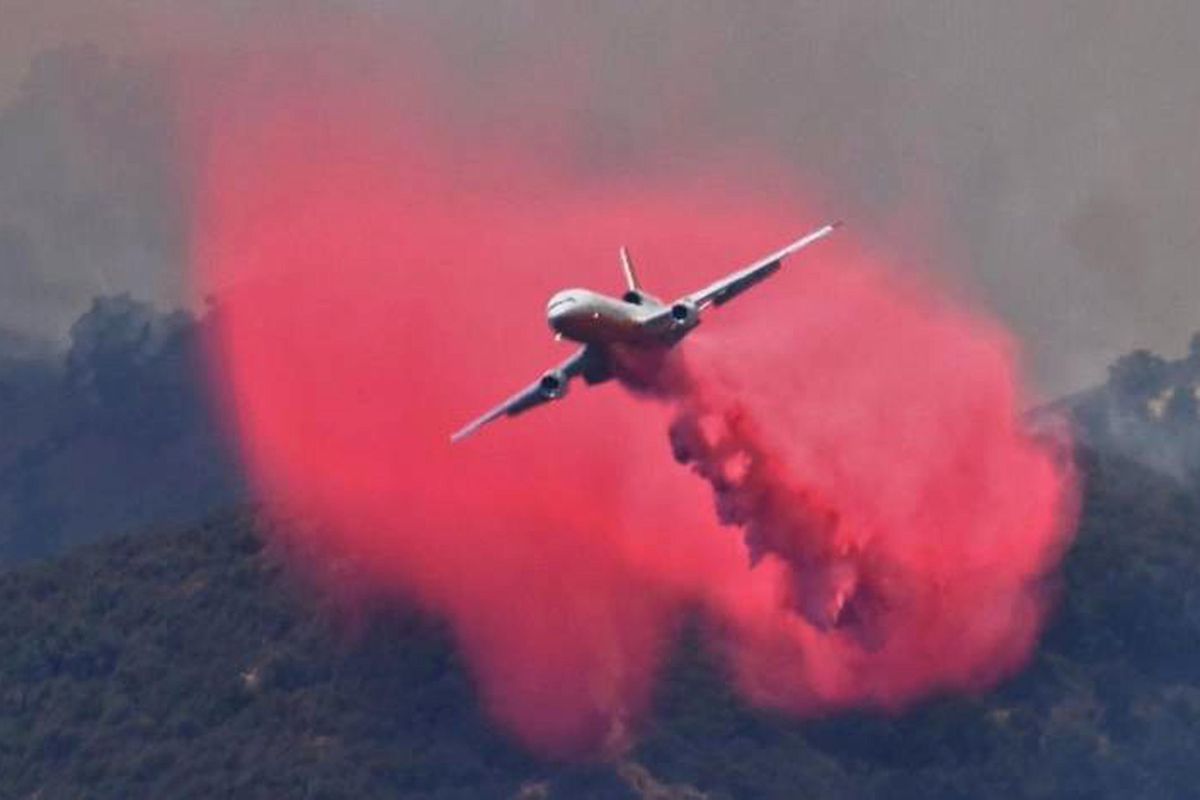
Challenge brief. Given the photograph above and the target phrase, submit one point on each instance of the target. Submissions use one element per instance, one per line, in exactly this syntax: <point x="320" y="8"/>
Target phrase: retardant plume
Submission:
<point x="866" y="447"/>
<point x="380" y="278"/>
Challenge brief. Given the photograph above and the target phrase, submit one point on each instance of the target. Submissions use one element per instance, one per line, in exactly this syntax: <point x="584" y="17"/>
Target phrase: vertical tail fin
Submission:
<point x="631" y="279"/>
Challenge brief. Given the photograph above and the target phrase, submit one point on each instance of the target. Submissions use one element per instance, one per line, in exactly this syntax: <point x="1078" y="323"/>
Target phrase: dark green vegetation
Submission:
<point x="189" y="665"/>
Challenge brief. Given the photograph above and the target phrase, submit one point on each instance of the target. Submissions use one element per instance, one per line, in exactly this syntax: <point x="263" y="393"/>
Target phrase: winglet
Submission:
<point x="467" y="430"/>
<point x="473" y="426"/>
<point x="800" y="244"/>
<point x="631" y="279"/>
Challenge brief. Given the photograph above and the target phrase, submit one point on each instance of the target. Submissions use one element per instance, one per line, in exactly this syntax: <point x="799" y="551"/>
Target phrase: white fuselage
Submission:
<point x="592" y="318"/>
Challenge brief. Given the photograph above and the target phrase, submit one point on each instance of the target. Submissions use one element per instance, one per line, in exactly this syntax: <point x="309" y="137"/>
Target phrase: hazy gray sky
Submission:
<point x="1051" y="145"/>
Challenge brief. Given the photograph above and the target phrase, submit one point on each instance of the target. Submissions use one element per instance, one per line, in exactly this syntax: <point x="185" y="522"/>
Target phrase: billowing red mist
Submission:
<point x="380" y="278"/>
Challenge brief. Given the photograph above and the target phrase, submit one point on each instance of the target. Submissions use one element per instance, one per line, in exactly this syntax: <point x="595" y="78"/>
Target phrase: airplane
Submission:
<point x="637" y="321"/>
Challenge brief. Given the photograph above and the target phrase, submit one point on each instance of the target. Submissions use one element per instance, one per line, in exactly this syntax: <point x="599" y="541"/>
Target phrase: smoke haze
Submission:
<point x="1052" y="144"/>
<point x="375" y="263"/>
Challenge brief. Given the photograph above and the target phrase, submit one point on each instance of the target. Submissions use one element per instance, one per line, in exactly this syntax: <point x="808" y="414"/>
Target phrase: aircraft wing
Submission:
<point x="533" y="395"/>
<point x="731" y="286"/>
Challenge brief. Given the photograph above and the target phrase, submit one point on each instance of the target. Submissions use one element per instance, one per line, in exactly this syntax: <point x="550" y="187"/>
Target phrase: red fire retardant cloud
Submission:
<point x="380" y="279"/>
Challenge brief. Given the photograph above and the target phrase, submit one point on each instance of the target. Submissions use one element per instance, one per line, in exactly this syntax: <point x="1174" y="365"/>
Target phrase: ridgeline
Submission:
<point x="189" y="663"/>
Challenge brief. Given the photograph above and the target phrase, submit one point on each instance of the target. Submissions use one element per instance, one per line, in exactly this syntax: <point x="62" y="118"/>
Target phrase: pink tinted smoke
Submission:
<point x="380" y="282"/>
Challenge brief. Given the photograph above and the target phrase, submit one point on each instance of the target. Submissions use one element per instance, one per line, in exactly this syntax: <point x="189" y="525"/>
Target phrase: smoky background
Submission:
<point x="1039" y="155"/>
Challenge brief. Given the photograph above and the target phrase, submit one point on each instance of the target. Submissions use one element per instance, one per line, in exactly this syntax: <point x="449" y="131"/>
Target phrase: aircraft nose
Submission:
<point x="558" y="307"/>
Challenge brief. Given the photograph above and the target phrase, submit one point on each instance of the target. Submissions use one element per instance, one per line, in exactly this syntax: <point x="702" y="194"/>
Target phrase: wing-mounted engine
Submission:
<point x="553" y="384"/>
<point x="669" y="324"/>
<point x="685" y="314"/>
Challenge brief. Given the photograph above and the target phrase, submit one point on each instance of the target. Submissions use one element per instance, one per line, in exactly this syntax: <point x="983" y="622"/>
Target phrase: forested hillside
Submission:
<point x="188" y="664"/>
